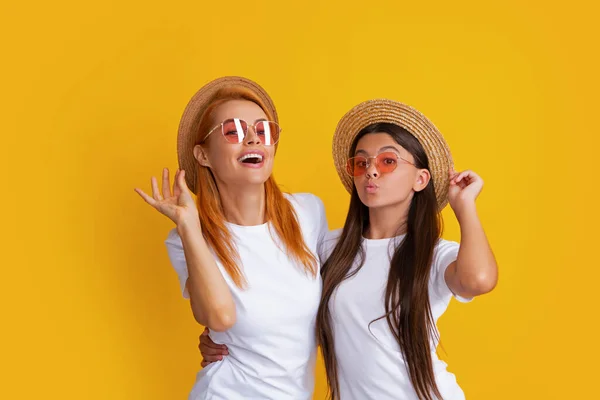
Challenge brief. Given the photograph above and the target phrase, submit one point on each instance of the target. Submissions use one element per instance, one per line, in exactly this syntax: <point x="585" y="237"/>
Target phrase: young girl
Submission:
<point x="389" y="276"/>
<point x="246" y="253"/>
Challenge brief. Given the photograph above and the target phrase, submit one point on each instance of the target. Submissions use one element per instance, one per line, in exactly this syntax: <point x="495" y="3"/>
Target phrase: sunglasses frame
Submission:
<point x="396" y="156"/>
<point x="247" y="130"/>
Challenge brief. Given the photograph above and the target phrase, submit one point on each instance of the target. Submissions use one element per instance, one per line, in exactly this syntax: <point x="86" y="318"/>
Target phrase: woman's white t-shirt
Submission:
<point x="370" y="364"/>
<point x="272" y="345"/>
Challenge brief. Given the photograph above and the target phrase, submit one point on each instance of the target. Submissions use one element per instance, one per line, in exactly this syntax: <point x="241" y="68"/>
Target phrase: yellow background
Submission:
<point x="92" y="93"/>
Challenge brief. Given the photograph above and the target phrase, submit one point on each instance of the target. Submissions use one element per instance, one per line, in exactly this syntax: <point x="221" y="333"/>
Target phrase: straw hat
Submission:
<point x="390" y="111"/>
<point x="188" y="135"/>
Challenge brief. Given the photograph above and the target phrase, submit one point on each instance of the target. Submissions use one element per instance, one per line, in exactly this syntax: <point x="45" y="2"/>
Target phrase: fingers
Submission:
<point x="452" y="174"/>
<point x="185" y="196"/>
<point x="176" y="190"/>
<point x="166" y="191"/>
<point x="181" y="181"/>
<point x="212" y="356"/>
<point x="146" y="198"/>
<point x="461" y="176"/>
<point x="155" y="192"/>
<point x="209" y="349"/>
<point x="212" y="353"/>
<point x="179" y="186"/>
<point x="465" y="177"/>
<point x="212" y="348"/>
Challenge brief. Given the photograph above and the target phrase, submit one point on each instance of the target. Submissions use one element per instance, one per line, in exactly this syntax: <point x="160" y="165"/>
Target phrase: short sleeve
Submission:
<point x="177" y="257"/>
<point x="311" y="212"/>
<point x="445" y="253"/>
<point x="328" y="243"/>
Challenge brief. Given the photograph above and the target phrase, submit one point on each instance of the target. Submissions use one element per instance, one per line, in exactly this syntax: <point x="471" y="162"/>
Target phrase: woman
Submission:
<point x="389" y="276"/>
<point x="245" y="254"/>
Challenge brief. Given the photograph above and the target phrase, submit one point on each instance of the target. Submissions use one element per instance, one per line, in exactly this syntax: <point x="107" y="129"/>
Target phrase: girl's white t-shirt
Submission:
<point x="370" y="364"/>
<point x="272" y="346"/>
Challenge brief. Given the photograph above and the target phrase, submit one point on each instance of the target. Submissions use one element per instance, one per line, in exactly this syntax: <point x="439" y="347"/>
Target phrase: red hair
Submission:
<point x="279" y="211"/>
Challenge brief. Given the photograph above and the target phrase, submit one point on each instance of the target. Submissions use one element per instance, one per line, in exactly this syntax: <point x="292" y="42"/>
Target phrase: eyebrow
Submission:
<point x="381" y="150"/>
<point x="255" y="121"/>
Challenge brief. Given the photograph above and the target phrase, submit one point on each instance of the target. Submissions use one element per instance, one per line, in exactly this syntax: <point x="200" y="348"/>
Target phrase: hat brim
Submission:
<point x="390" y="111"/>
<point x="187" y="136"/>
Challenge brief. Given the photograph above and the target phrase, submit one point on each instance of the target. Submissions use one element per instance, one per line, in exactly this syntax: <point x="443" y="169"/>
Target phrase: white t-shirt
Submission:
<point x="370" y="364"/>
<point x="272" y="346"/>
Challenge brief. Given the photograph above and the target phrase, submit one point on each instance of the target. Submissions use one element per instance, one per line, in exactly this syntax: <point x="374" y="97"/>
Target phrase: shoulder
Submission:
<point x="444" y="254"/>
<point x="445" y="249"/>
<point x="333" y="236"/>
<point x="306" y="205"/>
<point x="304" y="200"/>
<point x="329" y="242"/>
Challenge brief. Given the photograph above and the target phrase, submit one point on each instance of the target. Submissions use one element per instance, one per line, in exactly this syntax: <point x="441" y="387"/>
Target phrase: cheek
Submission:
<point x="270" y="153"/>
<point x="359" y="180"/>
<point x="399" y="185"/>
<point x="222" y="157"/>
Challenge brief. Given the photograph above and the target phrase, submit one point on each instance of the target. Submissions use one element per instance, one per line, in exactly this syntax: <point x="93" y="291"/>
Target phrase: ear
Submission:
<point x="422" y="180"/>
<point x="200" y="156"/>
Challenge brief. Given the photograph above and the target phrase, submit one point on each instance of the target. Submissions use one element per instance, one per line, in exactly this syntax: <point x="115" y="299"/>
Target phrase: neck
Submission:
<point x="387" y="222"/>
<point x="243" y="205"/>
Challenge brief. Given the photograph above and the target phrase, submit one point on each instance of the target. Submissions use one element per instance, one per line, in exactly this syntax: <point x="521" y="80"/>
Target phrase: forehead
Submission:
<point x="372" y="143"/>
<point x="243" y="109"/>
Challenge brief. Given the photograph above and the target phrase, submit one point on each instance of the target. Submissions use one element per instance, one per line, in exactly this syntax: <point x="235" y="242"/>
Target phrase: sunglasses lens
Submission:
<point x="356" y="166"/>
<point x="387" y="162"/>
<point x="235" y="130"/>
<point x="268" y="132"/>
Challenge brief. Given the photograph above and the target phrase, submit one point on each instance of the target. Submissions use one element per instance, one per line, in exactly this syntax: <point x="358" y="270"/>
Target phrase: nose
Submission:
<point x="372" y="171"/>
<point x="251" y="136"/>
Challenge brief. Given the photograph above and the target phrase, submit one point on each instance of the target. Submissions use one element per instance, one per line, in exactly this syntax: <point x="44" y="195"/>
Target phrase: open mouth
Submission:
<point x="251" y="158"/>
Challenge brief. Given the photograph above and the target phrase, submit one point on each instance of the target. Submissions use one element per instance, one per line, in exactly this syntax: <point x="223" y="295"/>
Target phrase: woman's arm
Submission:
<point x="210" y="298"/>
<point x="475" y="271"/>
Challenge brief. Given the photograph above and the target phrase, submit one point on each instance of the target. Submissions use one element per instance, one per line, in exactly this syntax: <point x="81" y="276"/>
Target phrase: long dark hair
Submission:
<point x="407" y="308"/>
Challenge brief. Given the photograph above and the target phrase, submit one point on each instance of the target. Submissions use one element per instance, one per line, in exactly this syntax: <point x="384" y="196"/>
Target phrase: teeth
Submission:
<point x="250" y="155"/>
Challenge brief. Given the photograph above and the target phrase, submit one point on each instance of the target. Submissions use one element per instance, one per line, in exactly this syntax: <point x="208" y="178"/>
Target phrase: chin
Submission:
<point x="255" y="178"/>
<point x="369" y="200"/>
<point x="375" y="200"/>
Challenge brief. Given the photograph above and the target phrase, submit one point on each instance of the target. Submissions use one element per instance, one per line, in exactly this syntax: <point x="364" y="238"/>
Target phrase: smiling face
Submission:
<point x="247" y="163"/>
<point x="387" y="175"/>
